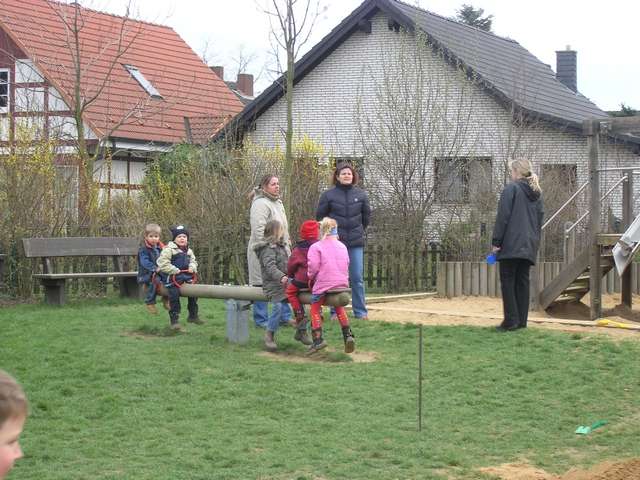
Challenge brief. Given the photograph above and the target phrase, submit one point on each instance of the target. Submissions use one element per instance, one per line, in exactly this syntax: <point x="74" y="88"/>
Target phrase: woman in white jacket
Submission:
<point x="265" y="206"/>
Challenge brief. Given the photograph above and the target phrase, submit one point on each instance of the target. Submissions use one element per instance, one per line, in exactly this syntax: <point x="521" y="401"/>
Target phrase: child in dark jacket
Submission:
<point x="298" y="278"/>
<point x="177" y="264"/>
<point x="147" y="266"/>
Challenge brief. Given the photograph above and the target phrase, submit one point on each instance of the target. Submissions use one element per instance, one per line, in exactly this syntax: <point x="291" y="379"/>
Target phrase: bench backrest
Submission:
<point x="80" y="246"/>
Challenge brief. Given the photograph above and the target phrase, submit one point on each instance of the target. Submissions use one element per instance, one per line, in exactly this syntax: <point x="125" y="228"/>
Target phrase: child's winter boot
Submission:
<point x="195" y="319"/>
<point x="151" y="308"/>
<point x="301" y="334"/>
<point x="174" y="318"/>
<point x="270" y="342"/>
<point x="349" y="340"/>
<point x="318" y="342"/>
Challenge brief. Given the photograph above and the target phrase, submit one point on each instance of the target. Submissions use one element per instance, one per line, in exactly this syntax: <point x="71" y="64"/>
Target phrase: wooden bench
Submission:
<point x="54" y="283"/>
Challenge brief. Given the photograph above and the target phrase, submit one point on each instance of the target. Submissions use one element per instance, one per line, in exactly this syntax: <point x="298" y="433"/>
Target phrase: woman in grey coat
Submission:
<point x="265" y="206"/>
<point x="516" y="238"/>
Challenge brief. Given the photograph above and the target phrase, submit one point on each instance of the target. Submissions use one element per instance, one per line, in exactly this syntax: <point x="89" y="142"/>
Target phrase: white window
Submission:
<point x="29" y="99"/>
<point x="144" y="83"/>
<point x="26" y="72"/>
<point x="4" y="90"/>
<point x="29" y="128"/>
<point x="4" y="129"/>
<point x="137" y="172"/>
<point x="462" y="179"/>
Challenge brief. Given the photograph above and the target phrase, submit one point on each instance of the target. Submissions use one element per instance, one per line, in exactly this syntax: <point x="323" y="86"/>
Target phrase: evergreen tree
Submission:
<point x="474" y="16"/>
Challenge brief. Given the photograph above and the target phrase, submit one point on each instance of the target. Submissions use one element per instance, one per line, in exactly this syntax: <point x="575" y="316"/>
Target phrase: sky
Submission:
<point x="604" y="35"/>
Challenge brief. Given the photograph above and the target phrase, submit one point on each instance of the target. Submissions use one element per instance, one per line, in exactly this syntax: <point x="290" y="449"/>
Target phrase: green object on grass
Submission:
<point x="582" y="430"/>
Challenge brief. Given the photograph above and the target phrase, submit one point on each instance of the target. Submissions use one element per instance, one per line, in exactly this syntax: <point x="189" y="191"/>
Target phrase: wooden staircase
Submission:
<point x="573" y="281"/>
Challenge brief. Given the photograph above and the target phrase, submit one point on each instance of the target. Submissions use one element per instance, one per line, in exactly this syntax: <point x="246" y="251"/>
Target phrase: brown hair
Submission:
<point x="13" y="401"/>
<point x="326" y="225"/>
<point x="341" y="166"/>
<point x="152" y="228"/>
<point x="273" y="231"/>
<point x="522" y="168"/>
<point x="264" y="181"/>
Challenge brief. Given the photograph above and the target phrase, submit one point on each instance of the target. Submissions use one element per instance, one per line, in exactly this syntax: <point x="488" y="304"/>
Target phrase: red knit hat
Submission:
<point x="309" y="230"/>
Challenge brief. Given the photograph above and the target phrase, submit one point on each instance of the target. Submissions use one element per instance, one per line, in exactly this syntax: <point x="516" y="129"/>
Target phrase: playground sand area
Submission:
<point x="623" y="470"/>
<point x="487" y="312"/>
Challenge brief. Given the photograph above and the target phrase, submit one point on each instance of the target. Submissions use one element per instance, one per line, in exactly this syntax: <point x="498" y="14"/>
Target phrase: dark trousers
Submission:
<point x="175" y="307"/>
<point x="514" y="278"/>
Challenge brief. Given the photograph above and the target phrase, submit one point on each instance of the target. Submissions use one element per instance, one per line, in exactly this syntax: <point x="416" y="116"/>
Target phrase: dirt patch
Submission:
<point x="487" y="312"/>
<point x="327" y="355"/>
<point x="147" y="332"/>
<point x="518" y="471"/>
<point x="624" y="470"/>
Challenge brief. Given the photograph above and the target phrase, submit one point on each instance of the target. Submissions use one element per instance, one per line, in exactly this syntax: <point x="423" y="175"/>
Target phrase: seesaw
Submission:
<point x="335" y="298"/>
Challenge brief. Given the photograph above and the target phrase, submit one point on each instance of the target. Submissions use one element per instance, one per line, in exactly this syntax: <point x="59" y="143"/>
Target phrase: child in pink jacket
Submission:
<point x="328" y="268"/>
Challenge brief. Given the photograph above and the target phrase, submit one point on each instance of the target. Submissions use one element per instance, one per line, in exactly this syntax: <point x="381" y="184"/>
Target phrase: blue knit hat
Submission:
<point x="178" y="230"/>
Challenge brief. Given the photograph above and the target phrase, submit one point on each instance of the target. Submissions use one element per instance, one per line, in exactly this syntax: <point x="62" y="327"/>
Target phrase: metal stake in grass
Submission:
<point x="420" y="361"/>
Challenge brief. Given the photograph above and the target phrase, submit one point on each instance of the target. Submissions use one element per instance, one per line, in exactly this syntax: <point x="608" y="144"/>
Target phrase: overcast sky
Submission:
<point x="605" y="35"/>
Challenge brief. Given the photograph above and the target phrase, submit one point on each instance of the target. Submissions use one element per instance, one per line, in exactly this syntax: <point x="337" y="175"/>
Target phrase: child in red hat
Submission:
<point x="298" y="279"/>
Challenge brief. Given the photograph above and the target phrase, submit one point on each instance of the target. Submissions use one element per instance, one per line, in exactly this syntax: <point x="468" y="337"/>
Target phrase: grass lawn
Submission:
<point x="107" y="404"/>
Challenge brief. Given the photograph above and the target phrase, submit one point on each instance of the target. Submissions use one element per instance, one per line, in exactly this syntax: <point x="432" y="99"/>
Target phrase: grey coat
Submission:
<point x="518" y="222"/>
<point x="263" y="209"/>
<point x="273" y="266"/>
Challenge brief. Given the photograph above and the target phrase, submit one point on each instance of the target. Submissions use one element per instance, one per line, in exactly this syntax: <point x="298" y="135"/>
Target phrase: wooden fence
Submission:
<point x="458" y="279"/>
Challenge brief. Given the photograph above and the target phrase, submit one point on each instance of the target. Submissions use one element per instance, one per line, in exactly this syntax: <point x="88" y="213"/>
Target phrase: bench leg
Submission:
<point x="54" y="291"/>
<point x="129" y="287"/>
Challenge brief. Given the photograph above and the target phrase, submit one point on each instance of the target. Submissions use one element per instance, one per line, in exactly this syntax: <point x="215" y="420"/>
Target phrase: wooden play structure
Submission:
<point x="584" y="270"/>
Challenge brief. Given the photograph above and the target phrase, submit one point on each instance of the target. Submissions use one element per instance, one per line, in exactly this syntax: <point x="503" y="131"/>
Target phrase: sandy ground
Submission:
<point x="623" y="470"/>
<point x="487" y="312"/>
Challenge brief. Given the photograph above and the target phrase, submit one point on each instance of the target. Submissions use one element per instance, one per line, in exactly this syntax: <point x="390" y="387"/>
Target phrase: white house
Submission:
<point x="463" y="100"/>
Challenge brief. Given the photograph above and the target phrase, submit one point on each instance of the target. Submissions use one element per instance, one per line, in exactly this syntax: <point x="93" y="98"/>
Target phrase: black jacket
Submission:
<point x="349" y="206"/>
<point x="518" y="222"/>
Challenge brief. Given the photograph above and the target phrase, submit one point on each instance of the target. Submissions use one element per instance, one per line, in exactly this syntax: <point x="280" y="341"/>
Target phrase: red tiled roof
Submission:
<point x="188" y="87"/>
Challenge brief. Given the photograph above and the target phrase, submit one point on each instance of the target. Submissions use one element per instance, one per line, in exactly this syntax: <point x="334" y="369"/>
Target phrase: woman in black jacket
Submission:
<point x="516" y="238"/>
<point x="349" y="206"/>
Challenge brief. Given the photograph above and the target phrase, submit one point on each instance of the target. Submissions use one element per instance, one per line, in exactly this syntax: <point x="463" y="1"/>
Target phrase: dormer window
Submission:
<point x="142" y="80"/>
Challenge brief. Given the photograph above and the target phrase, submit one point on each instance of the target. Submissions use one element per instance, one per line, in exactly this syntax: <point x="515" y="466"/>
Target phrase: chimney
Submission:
<point x="245" y="84"/>
<point x="567" y="68"/>
<point x="218" y="70"/>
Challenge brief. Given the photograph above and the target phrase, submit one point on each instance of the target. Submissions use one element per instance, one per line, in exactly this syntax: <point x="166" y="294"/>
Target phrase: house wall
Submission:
<point x="358" y="80"/>
<point x="37" y="110"/>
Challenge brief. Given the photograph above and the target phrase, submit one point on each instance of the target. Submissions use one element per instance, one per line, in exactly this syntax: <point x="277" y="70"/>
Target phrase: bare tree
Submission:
<point x="292" y="23"/>
<point x="84" y="71"/>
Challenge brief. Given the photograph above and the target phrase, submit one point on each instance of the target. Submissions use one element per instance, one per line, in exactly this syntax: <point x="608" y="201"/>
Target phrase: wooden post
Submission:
<point x="420" y="362"/>
<point x="592" y="130"/>
<point x="627" y="218"/>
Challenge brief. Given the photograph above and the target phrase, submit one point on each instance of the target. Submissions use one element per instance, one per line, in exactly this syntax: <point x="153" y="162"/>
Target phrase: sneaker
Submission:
<point x="176" y="327"/>
<point x="151" y="308"/>
<point x="270" y="342"/>
<point x="317" y="345"/>
<point x="303" y="337"/>
<point x="195" y="320"/>
<point x="166" y="304"/>
<point x="365" y="318"/>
